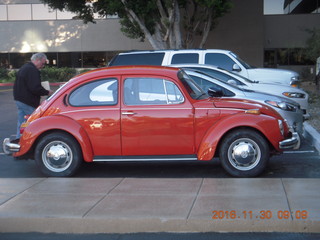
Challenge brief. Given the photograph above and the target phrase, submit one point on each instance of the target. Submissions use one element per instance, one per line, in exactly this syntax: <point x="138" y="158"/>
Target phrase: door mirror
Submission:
<point x="236" y="68"/>
<point x="232" y="82"/>
<point x="213" y="92"/>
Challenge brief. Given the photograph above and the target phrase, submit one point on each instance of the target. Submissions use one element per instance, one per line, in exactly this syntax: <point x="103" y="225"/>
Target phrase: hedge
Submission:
<point x="51" y="74"/>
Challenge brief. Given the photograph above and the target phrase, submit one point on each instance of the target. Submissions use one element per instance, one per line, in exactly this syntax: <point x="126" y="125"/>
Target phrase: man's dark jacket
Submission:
<point x="27" y="87"/>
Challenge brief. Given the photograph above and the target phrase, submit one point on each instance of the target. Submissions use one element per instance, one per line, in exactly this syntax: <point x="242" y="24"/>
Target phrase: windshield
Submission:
<point x="246" y="65"/>
<point x="193" y="89"/>
<point x="207" y="77"/>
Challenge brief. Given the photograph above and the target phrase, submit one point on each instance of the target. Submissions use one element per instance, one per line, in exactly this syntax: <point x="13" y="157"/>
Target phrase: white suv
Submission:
<point x="220" y="58"/>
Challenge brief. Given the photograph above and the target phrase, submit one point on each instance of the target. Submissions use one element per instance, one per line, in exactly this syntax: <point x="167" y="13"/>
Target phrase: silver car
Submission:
<point x="288" y="109"/>
<point x="291" y="93"/>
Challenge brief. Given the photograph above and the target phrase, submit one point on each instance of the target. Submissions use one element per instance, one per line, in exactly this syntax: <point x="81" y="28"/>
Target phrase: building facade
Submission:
<point x="260" y="35"/>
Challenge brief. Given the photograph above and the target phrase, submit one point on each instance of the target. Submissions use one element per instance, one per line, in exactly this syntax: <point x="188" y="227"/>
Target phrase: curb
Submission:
<point x="312" y="134"/>
<point x="6" y="84"/>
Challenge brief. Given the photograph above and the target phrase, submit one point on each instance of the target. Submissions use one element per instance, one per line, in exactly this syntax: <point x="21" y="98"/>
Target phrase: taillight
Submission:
<point x="24" y="124"/>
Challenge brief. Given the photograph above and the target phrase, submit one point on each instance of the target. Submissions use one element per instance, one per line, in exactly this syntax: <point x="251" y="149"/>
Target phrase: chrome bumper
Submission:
<point x="291" y="143"/>
<point x="9" y="147"/>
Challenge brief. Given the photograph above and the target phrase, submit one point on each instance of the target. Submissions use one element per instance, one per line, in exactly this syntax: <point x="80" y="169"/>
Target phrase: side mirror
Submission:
<point x="232" y="82"/>
<point x="215" y="92"/>
<point x="236" y="68"/>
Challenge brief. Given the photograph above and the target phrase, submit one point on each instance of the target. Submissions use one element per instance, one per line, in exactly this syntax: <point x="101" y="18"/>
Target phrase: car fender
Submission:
<point x="56" y="122"/>
<point x="267" y="125"/>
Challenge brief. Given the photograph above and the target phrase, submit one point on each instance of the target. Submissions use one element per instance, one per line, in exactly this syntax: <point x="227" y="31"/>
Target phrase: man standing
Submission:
<point x="27" y="89"/>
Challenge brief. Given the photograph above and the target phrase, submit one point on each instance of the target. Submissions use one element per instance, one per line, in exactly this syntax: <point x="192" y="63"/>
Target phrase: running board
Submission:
<point x="145" y="158"/>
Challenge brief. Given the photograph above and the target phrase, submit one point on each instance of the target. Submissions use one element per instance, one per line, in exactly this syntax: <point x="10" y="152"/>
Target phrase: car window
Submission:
<point x="151" y="91"/>
<point x="219" y="75"/>
<point x="220" y="60"/>
<point x="138" y="59"/>
<point x="185" y="58"/>
<point x="101" y="92"/>
<point x="205" y="85"/>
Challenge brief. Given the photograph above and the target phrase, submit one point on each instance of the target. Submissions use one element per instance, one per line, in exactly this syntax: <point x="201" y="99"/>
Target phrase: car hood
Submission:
<point x="245" y="104"/>
<point x="257" y="86"/>
<point x="260" y="96"/>
<point x="273" y="75"/>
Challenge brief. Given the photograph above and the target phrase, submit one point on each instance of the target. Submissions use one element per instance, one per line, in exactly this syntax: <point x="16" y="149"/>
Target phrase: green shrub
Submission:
<point x="53" y="74"/>
<point x="3" y="73"/>
<point x="12" y="75"/>
<point x="7" y="75"/>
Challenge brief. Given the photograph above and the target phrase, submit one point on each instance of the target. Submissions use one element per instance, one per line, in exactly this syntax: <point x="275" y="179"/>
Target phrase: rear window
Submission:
<point x="138" y="59"/>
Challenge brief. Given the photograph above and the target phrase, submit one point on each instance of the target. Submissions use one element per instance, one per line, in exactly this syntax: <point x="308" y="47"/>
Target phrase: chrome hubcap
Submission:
<point x="57" y="156"/>
<point x="244" y="154"/>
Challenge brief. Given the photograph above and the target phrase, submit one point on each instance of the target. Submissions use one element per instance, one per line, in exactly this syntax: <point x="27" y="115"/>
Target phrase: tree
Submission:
<point x="313" y="44"/>
<point x="164" y="23"/>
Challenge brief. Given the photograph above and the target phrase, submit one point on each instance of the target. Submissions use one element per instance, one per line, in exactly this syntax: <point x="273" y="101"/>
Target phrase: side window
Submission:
<point x="185" y="58"/>
<point x="151" y="91"/>
<point x="205" y="85"/>
<point x="138" y="59"/>
<point x="97" y="93"/>
<point x="219" y="60"/>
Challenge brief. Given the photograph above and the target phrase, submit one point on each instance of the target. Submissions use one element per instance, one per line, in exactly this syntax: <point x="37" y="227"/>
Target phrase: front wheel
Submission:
<point x="244" y="153"/>
<point x="58" y="155"/>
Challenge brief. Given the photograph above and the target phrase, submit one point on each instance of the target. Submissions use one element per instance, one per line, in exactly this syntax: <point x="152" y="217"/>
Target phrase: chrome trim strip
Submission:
<point x="142" y="159"/>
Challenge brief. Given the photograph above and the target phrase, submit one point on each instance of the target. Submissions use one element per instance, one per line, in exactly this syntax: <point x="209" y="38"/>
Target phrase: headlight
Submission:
<point x="295" y="78"/>
<point x="294" y="94"/>
<point x="282" y="105"/>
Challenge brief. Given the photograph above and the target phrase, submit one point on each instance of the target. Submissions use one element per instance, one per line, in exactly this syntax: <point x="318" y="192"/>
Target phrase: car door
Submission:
<point x="95" y="106"/>
<point x="156" y="118"/>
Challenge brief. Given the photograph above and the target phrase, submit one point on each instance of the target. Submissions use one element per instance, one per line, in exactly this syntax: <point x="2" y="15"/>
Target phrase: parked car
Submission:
<point x="287" y="108"/>
<point x="292" y="93"/>
<point x="216" y="57"/>
<point x="148" y="114"/>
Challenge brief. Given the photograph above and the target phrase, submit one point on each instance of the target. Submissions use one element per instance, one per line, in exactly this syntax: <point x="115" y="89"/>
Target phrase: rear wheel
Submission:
<point x="244" y="153"/>
<point x="58" y="155"/>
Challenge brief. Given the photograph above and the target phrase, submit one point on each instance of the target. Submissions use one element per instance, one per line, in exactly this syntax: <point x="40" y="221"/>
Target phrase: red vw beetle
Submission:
<point x="144" y="113"/>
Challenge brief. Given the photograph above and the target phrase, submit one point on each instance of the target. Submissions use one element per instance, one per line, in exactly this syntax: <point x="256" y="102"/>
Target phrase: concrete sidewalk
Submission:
<point x="125" y="205"/>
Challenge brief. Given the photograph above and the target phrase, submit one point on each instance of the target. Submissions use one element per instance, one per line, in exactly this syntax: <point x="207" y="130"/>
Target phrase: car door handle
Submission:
<point x="128" y="113"/>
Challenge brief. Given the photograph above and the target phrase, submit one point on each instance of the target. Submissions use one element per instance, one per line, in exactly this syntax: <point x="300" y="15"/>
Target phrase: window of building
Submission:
<point x="4" y="60"/>
<point x="3" y="13"/>
<point x="285" y="57"/>
<point x="291" y="6"/>
<point x="65" y="15"/>
<point x="19" y="12"/>
<point x="52" y="59"/>
<point x="70" y="59"/>
<point x="42" y="12"/>
<point x="60" y="59"/>
<point x="18" y="59"/>
<point x="94" y="59"/>
<point x="14" y="12"/>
